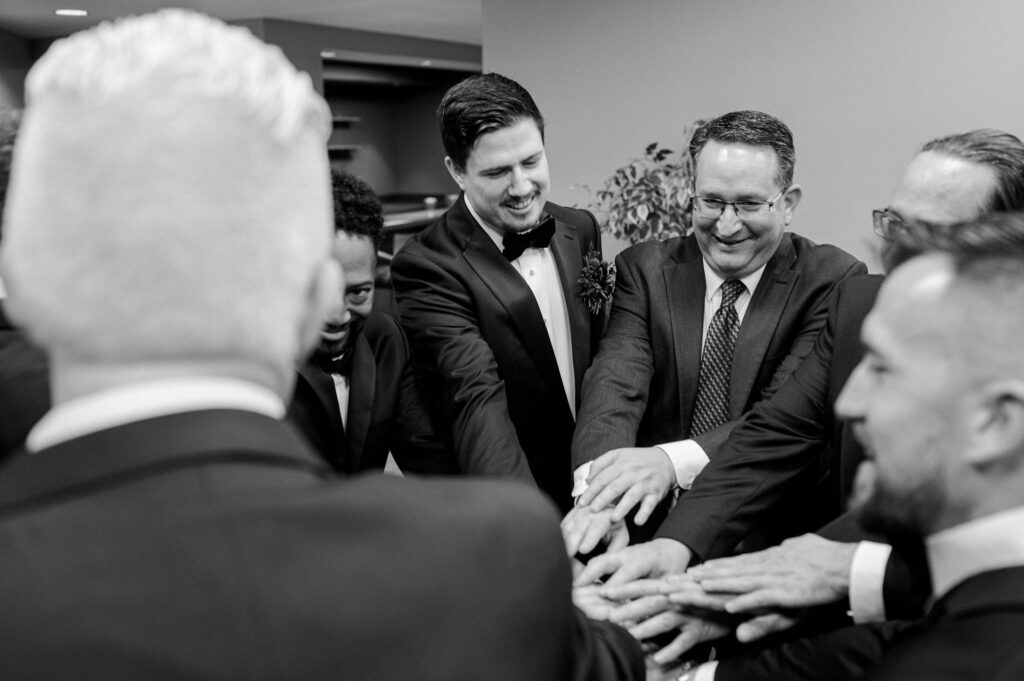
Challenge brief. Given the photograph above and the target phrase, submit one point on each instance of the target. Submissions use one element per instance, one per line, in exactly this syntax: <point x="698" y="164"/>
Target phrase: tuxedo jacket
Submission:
<point x="24" y="385"/>
<point x="642" y="387"/>
<point x="385" y="411"/>
<point x="482" y="350"/>
<point x="216" y="545"/>
<point x="789" y="452"/>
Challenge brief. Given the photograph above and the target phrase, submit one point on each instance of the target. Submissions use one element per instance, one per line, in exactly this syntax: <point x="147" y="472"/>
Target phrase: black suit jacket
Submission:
<point x="24" y="385"/>
<point x="215" y="544"/>
<point x="482" y="350"/>
<point x="385" y="411"/>
<point x="789" y="449"/>
<point x="642" y="387"/>
<point x="976" y="632"/>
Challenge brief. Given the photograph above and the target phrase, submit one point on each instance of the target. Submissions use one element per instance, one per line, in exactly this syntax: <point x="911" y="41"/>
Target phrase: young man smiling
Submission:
<point x="490" y="298"/>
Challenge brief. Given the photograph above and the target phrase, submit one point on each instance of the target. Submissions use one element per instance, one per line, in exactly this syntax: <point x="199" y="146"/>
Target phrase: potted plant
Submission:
<point x="649" y="197"/>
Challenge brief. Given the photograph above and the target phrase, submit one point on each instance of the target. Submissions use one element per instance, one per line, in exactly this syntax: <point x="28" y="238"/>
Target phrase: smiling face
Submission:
<point x="907" y="401"/>
<point x="358" y="258"/>
<point x="733" y="246"/>
<point x="506" y="177"/>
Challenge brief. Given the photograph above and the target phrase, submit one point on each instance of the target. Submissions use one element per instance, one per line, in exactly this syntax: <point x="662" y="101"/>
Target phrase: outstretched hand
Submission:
<point x="584" y="529"/>
<point x="627" y="477"/>
<point x="656" y="558"/>
<point x="802" y="572"/>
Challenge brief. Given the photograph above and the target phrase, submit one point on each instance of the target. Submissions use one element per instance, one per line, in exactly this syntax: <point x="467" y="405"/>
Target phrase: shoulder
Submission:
<point x="648" y="254"/>
<point x="577" y="217"/>
<point x="809" y="253"/>
<point x="383" y="333"/>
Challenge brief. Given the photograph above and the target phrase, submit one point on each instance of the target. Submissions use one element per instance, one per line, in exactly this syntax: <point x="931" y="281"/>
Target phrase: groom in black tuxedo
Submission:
<point x="490" y="295"/>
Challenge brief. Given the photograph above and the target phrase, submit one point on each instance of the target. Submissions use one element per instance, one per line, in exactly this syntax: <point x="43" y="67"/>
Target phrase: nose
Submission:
<point x="850" y="403"/>
<point x="729" y="223"/>
<point x="337" y="311"/>
<point x="521" y="184"/>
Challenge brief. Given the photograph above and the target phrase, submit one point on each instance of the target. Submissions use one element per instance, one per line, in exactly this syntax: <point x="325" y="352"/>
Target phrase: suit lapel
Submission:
<point x="323" y="385"/>
<point x="361" y="396"/>
<point x="763" y="313"/>
<point x="511" y="292"/>
<point x="685" y="289"/>
<point x="566" y="248"/>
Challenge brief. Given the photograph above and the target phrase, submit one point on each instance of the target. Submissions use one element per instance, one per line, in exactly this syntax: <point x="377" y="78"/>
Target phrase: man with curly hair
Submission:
<point x="356" y="397"/>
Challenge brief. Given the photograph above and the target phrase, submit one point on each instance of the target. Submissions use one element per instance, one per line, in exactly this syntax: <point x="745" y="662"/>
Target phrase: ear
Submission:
<point x="790" y="200"/>
<point x="454" y="172"/>
<point x="997" y="426"/>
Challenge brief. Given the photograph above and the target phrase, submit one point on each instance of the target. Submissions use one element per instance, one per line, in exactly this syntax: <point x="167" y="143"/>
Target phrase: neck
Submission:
<point x="70" y="379"/>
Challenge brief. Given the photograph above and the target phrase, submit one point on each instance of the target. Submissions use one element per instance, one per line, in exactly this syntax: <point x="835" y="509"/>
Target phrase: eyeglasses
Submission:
<point x="713" y="208"/>
<point x="888" y="225"/>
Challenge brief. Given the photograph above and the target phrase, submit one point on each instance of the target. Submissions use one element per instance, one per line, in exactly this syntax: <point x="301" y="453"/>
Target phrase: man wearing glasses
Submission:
<point x="703" y="326"/>
<point x="952" y="179"/>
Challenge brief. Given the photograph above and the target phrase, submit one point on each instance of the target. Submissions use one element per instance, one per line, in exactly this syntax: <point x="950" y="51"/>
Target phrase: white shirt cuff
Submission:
<point x="688" y="458"/>
<point x="705" y="672"/>
<point x="867" y="574"/>
<point x="579" y="480"/>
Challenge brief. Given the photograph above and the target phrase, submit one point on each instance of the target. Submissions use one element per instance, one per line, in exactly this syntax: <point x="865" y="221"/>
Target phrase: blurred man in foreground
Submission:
<point x="164" y="523"/>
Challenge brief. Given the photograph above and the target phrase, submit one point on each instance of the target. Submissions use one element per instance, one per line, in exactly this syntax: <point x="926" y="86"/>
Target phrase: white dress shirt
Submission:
<point x="688" y="457"/>
<point x="538" y="269"/>
<point x="149" y="399"/>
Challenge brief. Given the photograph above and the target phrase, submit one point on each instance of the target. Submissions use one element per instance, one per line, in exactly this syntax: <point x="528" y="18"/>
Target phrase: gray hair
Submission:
<point x="170" y="195"/>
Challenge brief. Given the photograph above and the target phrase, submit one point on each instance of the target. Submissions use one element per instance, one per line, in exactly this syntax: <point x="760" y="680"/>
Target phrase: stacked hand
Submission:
<point x="650" y="608"/>
<point x="773" y="585"/>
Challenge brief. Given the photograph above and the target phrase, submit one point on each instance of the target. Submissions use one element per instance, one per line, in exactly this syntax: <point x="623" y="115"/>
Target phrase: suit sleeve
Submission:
<point x="616" y="387"/>
<point x="907" y="584"/>
<point x="801" y="347"/>
<point x="770" y="447"/>
<point x="845" y="653"/>
<point x="457" y="363"/>
<point x="415" y="444"/>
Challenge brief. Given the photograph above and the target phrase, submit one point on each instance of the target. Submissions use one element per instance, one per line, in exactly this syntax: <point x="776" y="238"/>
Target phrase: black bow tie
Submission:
<point x="514" y="243"/>
<point x="336" y="365"/>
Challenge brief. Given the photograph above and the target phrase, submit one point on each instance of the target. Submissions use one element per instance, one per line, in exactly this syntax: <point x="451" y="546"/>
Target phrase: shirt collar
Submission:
<point x="149" y="399"/>
<point x="494" y="234"/>
<point x="712" y="282"/>
<point x="988" y="543"/>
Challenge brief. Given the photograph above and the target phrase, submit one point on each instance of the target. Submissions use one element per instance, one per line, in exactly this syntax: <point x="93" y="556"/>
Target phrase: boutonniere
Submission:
<point x="597" y="281"/>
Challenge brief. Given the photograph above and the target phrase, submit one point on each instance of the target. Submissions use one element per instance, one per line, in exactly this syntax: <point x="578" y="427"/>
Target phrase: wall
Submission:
<point x="15" y="60"/>
<point x="862" y="84"/>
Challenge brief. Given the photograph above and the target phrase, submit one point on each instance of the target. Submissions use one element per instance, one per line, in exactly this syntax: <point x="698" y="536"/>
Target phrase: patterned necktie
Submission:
<point x="712" y="408"/>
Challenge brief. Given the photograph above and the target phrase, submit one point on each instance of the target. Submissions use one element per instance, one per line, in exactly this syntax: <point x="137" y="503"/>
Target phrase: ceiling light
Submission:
<point x="71" y="12"/>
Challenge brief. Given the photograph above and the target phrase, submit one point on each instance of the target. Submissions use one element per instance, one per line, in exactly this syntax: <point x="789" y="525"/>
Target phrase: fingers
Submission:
<point x="619" y="538"/>
<point x="735" y="585"/>
<point x="637" y="589"/>
<point x="657" y="624"/>
<point x="600" y="566"/>
<point x="634" y="566"/>
<point x="758" y="627"/>
<point x="647" y="506"/>
<point x="595" y="532"/>
<point x="639" y="609"/>
<point x="679" y="645"/>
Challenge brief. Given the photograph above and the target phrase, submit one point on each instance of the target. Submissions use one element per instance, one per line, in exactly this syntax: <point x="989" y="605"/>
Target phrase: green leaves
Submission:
<point x="649" y="197"/>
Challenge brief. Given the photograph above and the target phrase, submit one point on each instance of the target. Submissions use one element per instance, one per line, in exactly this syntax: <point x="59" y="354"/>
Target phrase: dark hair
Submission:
<point x="478" y="105"/>
<point x="10" y="119"/>
<point x="1001" y="151"/>
<point x="754" y="128"/>
<point x="992" y="235"/>
<point x="357" y="210"/>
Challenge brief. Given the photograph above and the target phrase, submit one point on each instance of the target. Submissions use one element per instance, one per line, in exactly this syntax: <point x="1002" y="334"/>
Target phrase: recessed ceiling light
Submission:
<point x="426" y="62"/>
<point x="71" y="12"/>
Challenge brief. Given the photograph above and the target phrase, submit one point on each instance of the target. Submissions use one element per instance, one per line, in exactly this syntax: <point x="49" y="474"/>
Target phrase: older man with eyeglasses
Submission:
<point x="770" y="452"/>
<point x="701" y="327"/>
